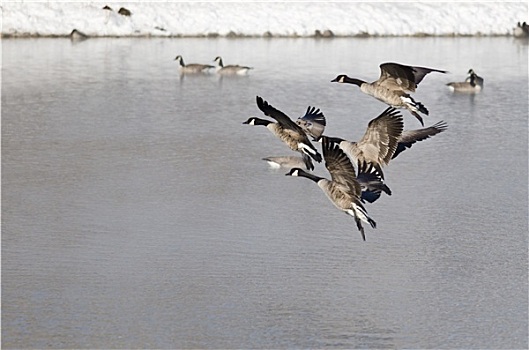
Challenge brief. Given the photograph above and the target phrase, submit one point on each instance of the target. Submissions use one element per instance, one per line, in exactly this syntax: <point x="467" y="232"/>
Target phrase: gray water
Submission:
<point x="137" y="212"/>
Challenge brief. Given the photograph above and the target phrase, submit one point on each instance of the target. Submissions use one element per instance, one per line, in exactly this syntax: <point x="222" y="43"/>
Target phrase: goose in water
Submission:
<point x="192" y="67"/>
<point x="232" y="69"/>
<point x="472" y="84"/>
<point x="343" y="190"/>
<point x="394" y="86"/>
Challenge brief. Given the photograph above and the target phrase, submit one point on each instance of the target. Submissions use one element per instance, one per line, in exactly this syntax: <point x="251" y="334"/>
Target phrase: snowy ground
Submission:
<point x="262" y="18"/>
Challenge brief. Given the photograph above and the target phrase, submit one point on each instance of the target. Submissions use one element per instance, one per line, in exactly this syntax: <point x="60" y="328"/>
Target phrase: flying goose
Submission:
<point x="393" y="86"/>
<point x="379" y="141"/>
<point x="285" y="129"/>
<point x="363" y="151"/>
<point x="472" y="84"/>
<point x="304" y="162"/>
<point x="230" y="69"/>
<point x="192" y="67"/>
<point x="343" y="190"/>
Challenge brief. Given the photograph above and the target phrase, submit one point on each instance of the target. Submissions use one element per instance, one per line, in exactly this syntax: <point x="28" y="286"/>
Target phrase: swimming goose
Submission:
<point x="343" y="190"/>
<point x="230" y="69"/>
<point x="479" y="80"/>
<point x="304" y="162"/>
<point x="521" y="30"/>
<point x="472" y="84"/>
<point x="285" y="129"/>
<point x="379" y="142"/>
<point x="192" y="67"/>
<point x="393" y="86"/>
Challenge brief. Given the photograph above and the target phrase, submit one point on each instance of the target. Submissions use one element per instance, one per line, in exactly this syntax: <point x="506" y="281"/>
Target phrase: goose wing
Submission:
<point x="371" y="182"/>
<point x="397" y="76"/>
<point x="313" y="122"/>
<point x="381" y="137"/>
<point x="339" y="165"/>
<point x="279" y="116"/>
<point x="409" y="137"/>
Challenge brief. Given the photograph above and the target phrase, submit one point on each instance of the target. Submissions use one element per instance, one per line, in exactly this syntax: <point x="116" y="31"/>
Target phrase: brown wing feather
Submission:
<point x="381" y="137"/>
<point x="340" y="167"/>
<point x="395" y="75"/>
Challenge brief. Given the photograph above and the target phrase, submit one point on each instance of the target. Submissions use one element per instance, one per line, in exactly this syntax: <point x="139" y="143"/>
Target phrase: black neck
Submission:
<point x="353" y="81"/>
<point x="313" y="177"/>
<point x="473" y="79"/>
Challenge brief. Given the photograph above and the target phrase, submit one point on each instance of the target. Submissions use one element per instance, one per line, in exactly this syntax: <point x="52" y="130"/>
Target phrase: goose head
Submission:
<point x="179" y="59"/>
<point x="257" y="121"/>
<point x="340" y="79"/>
<point x="251" y="121"/>
<point x="295" y="172"/>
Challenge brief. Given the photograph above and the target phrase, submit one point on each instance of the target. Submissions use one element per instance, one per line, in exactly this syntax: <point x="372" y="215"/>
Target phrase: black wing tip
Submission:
<point x="440" y="126"/>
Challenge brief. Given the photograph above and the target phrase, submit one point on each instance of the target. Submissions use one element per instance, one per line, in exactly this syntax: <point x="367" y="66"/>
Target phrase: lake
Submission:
<point x="137" y="211"/>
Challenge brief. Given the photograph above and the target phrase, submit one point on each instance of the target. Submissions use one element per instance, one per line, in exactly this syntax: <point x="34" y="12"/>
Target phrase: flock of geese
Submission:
<point x="220" y="68"/>
<point x="356" y="167"/>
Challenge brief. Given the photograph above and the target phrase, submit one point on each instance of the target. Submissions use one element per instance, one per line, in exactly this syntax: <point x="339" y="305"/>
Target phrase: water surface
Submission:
<point x="137" y="212"/>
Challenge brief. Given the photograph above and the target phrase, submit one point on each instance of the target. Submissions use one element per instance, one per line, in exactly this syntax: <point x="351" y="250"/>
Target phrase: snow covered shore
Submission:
<point x="304" y="19"/>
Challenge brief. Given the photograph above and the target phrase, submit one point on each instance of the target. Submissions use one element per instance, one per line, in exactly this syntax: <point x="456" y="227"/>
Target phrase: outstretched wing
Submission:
<point x="393" y="75"/>
<point x="381" y="137"/>
<point x="409" y="137"/>
<point x="281" y="117"/>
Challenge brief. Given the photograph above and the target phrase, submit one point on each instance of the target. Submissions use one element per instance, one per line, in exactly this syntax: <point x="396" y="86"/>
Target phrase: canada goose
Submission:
<point x="409" y="137"/>
<point x="477" y="79"/>
<point x="230" y="69"/>
<point x="285" y="129"/>
<point x="393" y="86"/>
<point x="304" y="162"/>
<point x="521" y="30"/>
<point x="472" y="84"/>
<point x="343" y="190"/>
<point x="192" y="67"/>
<point x="379" y="142"/>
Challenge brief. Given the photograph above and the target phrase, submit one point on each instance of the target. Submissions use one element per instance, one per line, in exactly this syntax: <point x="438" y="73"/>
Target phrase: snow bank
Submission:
<point x="262" y="18"/>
